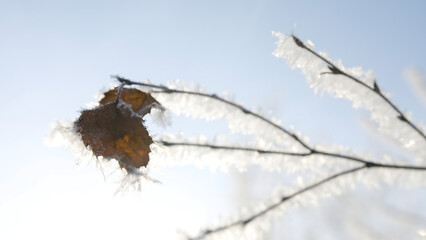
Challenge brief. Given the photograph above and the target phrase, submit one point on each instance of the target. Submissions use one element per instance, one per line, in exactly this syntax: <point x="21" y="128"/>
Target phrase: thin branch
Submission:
<point x="336" y="70"/>
<point x="164" y="89"/>
<point x="244" y="222"/>
<point x="231" y="148"/>
<point x="369" y="163"/>
<point x="312" y="152"/>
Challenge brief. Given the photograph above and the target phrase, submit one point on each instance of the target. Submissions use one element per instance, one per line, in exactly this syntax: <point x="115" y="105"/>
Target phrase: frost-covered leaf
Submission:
<point x="114" y="131"/>
<point x="141" y="102"/>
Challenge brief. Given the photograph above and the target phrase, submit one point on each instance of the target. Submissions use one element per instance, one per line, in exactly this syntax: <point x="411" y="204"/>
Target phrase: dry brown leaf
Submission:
<point x="113" y="131"/>
<point x="141" y="102"/>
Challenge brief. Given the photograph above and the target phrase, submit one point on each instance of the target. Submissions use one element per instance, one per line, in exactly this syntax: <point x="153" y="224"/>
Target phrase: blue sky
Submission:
<point x="56" y="55"/>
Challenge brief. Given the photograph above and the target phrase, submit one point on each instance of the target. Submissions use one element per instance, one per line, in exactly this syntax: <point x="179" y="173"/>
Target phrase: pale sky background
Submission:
<point x="56" y="55"/>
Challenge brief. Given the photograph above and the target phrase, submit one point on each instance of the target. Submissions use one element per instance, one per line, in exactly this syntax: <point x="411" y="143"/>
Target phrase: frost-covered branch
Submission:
<point x="307" y="150"/>
<point x="164" y="89"/>
<point x="334" y="69"/>
<point x="231" y="148"/>
<point x="354" y="84"/>
<point x="312" y="152"/>
<point x="244" y="222"/>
